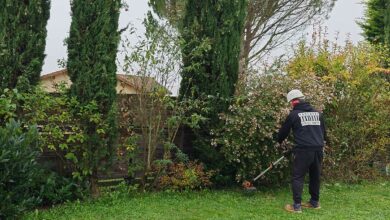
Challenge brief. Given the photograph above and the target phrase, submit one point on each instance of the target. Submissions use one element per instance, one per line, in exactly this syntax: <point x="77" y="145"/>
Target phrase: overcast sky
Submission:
<point x="342" y="20"/>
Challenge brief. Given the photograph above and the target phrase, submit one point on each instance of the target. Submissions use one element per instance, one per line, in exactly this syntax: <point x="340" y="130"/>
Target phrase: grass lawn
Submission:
<point x="338" y="201"/>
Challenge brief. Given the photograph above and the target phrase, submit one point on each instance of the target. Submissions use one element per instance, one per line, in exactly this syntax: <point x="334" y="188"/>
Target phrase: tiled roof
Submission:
<point x="137" y="82"/>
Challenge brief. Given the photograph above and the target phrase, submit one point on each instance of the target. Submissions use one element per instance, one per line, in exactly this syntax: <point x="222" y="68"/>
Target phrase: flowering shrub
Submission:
<point x="358" y="131"/>
<point x="180" y="176"/>
<point x="342" y="82"/>
<point x="248" y="137"/>
<point x="358" y="114"/>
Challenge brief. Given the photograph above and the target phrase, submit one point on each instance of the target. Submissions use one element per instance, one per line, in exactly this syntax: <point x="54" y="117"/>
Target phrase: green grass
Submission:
<point x="338" y="201"/>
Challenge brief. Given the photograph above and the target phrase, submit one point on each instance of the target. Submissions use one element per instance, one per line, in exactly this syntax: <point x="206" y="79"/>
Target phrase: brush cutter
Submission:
<point x="248" y="186"/>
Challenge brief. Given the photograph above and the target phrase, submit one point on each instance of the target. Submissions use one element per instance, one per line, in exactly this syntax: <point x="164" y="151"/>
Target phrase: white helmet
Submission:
<point x="294" y="94"/>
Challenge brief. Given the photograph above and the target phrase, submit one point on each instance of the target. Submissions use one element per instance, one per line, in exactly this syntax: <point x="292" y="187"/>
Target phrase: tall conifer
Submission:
<point x="92" y="48"/>
<point x="22" y="40"/>
<point x="211" y="33"/>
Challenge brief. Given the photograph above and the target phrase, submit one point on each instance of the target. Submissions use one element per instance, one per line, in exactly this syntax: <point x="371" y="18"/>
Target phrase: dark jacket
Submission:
<point x="308" y="128"/>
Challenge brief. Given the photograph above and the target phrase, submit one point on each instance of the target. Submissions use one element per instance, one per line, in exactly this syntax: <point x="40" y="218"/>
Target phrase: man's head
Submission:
<point x="294" y="97"/>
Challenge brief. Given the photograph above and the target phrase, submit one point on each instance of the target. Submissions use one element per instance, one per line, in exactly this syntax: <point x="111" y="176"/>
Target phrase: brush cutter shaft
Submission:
<point x="270" y="167"/>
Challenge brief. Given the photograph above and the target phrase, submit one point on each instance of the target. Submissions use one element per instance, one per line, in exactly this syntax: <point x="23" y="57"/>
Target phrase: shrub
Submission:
<point x="19" y="172"/>
<point x="152" y="121"/>
<point x="58" y="132"/>
<point x="358" y="130"/>
<point x="182" y="176"/>
<point x="248" y="135"/>
<point x="358" y="114"/>
<point x="58" y="118"/>
<point x="56" y="189"/>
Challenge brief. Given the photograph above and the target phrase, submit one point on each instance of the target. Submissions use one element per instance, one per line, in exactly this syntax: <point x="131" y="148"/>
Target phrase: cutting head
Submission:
<point x="246" y="184"/>
<point x="249" y="189"/>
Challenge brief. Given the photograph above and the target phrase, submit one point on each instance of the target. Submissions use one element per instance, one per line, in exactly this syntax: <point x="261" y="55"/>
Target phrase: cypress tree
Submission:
<point x="374" y="23"/>
<point x="211" y="35"/>
<point x="22" y="40"/>
<point x="92" y="49"/>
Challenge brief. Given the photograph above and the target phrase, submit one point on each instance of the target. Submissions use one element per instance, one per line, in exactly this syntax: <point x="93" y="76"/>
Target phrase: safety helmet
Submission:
<point x="294" y="94"/>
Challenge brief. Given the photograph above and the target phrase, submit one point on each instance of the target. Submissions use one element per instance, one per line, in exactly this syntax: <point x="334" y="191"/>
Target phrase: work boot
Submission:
<point x="293" y="208"/>
<point x="311" y="204"/>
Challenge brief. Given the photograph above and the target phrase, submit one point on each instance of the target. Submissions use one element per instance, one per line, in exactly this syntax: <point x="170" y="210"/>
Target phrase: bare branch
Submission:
<point x="274" y="21"/>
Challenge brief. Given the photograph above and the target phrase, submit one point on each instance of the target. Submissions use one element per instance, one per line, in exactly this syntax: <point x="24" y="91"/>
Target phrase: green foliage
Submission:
<point x="340" y="81"/>
<point x="22" y="41"/>
<point x="8" y="105"/>
<point x="163" y="116"/>
<point x="376" y="23"/>
<point x="92" y="48"/>
<point x="376" y="26"/>
<point x="249" y="129"/>
<point x="19" y="172"/>
<point x="153" y="60"/>
<point x="211" y="44"/>
<point x="135" y="162"/>
<point x="359" y="132"/>
<point x="64" y="132"/>
<point x="166" y="175"/>
<point x="55" y="189"/>
<point x="387" y="23"/>
<point x="211" y="36"/>
<point x="153" y="116"/>
<point x="358" y="114"/>
<point x="52" y="115"/>
<point x="60" y="120"/>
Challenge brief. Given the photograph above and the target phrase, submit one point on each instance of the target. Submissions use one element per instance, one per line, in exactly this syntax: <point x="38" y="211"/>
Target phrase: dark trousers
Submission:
<point x="304" y="162"/>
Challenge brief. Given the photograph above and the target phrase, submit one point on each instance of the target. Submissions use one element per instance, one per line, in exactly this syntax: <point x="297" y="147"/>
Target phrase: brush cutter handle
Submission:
<point x="270" y="167"/>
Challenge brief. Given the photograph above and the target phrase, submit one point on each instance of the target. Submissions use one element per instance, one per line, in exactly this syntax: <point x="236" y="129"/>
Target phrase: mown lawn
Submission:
<point x="339" y="201"/>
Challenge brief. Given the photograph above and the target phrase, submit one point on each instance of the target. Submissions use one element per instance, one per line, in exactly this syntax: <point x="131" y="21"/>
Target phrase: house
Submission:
<point x="126" y="84"/>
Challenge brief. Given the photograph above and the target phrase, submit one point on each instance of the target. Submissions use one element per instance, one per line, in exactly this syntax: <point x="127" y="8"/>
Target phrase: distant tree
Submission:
<point x="269" y="24"/>
<point x="22" y="41"/>
<point x="373" y="25"/>
<point x="92" y="49"/>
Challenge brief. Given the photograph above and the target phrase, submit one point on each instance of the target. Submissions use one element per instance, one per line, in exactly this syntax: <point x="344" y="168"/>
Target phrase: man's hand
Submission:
<point x="287" y="153"/>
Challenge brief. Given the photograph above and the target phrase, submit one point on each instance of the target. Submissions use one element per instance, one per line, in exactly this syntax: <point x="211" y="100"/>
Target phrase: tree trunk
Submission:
<point x="244" y="54"/>
<point x="94" y="184"/>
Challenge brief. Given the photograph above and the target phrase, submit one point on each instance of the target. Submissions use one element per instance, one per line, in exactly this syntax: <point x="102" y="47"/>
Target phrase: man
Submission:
<point x="309" y="132"/>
